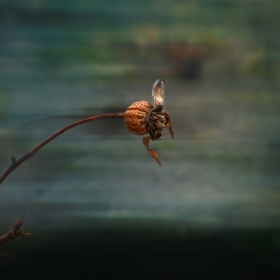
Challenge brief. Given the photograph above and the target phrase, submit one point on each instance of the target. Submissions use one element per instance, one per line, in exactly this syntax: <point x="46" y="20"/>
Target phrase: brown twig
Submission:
<point x="32" y="152"/>
<point x="15" y="232"/>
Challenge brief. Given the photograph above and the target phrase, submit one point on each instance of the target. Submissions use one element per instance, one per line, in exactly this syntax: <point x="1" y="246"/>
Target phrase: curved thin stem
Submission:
<point x="32" y="152"/>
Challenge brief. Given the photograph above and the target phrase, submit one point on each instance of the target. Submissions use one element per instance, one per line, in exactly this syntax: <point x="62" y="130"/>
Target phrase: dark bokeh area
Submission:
<point x="99" y="206"/>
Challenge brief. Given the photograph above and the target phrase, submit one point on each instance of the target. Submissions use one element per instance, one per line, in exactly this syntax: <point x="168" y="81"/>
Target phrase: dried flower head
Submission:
<point x="141" y="118"/>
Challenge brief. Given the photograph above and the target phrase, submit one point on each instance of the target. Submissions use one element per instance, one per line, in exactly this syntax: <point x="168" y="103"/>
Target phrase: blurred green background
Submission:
<point x="100" y="206"/>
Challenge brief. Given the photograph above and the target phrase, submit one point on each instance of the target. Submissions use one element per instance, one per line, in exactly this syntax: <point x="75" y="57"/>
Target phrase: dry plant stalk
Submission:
<point x="141" y="118"/>
<point x="15" y="232"/>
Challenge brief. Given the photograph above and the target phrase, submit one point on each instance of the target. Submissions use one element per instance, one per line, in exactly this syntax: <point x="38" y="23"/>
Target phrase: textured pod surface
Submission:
<point x="135" y="117"/>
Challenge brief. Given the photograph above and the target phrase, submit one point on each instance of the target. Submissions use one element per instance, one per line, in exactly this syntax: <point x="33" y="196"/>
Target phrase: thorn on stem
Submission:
<point x="13" y="159"/>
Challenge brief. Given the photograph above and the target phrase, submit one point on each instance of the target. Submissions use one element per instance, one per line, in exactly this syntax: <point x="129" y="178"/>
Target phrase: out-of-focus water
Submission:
<point x="221" y="170"/>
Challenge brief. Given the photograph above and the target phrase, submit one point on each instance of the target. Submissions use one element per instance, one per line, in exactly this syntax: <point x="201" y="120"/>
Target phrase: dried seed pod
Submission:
<point x="142" y="117"/>
<point x="156" y="122"/>
<point x="136" y="115"/>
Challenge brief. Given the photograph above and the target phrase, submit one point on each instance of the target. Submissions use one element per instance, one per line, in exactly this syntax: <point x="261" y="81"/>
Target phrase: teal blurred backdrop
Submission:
<point x="212" y="209"/>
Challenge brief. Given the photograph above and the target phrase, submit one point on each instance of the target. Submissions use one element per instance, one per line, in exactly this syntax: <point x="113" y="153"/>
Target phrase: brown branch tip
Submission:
<point x="15" y="232"/>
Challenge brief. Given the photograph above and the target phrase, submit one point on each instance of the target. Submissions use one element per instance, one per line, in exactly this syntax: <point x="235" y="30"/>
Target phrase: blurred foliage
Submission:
<point x="243" y="33"/>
